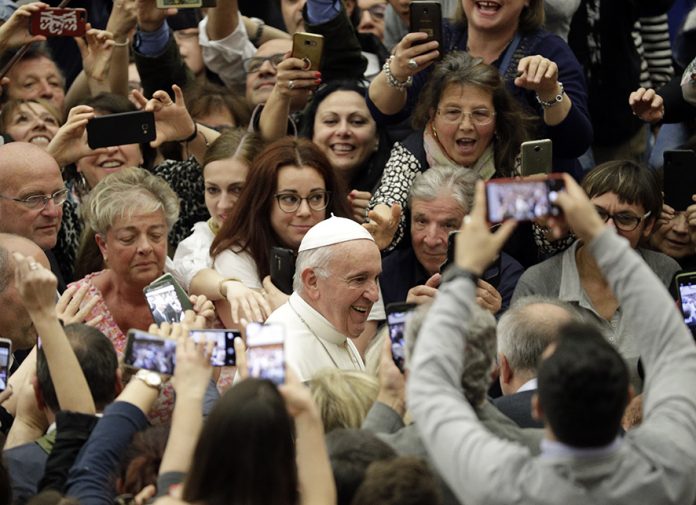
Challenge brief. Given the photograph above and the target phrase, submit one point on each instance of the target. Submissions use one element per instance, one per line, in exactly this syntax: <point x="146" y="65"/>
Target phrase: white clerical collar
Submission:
<point x="530" y="385"/>
<point x="317" y="323"/>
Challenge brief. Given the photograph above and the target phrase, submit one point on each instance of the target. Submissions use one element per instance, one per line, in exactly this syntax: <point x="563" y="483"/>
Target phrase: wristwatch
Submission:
<point x="453" y="271"/>
<point x="152" y="379"/>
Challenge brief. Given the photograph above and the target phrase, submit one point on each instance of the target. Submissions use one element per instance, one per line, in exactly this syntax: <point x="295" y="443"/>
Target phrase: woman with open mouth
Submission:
<point x="35" y="121"/>
<point x="538" y="68"/>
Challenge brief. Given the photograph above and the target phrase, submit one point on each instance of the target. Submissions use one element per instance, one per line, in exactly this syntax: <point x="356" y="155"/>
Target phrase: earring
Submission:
<point x="376" y="146"/>
<point x="432" y="127"/>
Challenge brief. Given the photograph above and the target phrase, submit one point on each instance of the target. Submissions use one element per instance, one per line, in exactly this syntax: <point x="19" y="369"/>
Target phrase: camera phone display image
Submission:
<point x="687" y="297"/>
<point x="397" y="322"/>
<point x="521" y="200"/>
<point x="151" y="353"/>
<point x="4" y="365"/>
<point x="223" y="353"/>
<point x="266" y="352"/>
<point x="164" y="304"/>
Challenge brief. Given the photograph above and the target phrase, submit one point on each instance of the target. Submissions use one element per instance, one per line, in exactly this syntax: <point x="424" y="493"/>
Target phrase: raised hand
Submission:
<point x="424" y="293"/>
<point x="382" y="224"/>
<point x="249" y="303"/>
<point x="96" y="48"/>
<point x="407" y="52"/>
<point x="647" y="105"/>
<point x="70" y="141"/>
<point x="538" y="74"/>
<point x="15" y="31"/>
<point x="193" y="369"/>
<point x="203" y="314"/>
<point x="36" y="284"/>
<point x="293" y="79"/>
<point x="578" y="212"/>
<point x="172" y="121"/>
<point x="359" y="200"/>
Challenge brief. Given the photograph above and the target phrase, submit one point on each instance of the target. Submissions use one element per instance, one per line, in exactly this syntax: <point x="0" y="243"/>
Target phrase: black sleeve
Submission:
<point x="160" y="72"/>
<point x="676" y="108"/>
<point x="73" y="430"/>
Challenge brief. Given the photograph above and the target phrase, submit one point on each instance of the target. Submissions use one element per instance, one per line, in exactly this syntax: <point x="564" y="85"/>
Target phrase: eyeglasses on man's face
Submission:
<point x="624" y="221"/>
<point x="36" y="202"/>
<point x="252" y="65"/>
<point x="290" y="202"/>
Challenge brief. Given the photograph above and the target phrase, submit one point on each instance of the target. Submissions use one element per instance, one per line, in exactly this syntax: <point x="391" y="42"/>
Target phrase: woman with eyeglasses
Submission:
<point x="465" y="118"/>
<point x="628" y="198"/>
<point x="291" y="187"/>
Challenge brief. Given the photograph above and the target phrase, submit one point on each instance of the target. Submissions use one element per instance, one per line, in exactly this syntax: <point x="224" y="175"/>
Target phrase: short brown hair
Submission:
<point x="398" y="481"/>
<point x="531" y="18"/>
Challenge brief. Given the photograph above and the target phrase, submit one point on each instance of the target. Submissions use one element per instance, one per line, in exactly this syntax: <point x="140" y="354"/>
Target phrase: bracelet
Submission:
<point x="393" y="81"/>
<point x="557" y="99"/>
<point x="192" y="136"/>
<point x="122" y="44"/>
<point x="222" y="282"/>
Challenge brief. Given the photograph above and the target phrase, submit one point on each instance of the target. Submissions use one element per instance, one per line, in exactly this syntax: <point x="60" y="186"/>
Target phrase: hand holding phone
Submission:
<point x="58" y="22"/>
<point x="309" y="47"/>
<point x="523" y="200"/>
<point x="426" y="17"/>
<point x="120" y="129"/>
<point x="265" y="353"/>
<point x="397" y="315"/>
<point x="150" y="352"/>
<point x="167" y="300"/>
<point x="223" y="352"/>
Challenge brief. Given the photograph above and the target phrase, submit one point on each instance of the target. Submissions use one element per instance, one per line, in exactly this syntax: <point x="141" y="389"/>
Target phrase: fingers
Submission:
<point x="178" y="95"/>
<point x="240" y="353"/>
<point x="434" y="281"/>
<point x="139" y="98"/>
<point x="66" y="297"/>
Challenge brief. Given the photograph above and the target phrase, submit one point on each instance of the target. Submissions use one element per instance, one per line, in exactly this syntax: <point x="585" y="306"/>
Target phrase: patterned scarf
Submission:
<point x="436" y="156"/>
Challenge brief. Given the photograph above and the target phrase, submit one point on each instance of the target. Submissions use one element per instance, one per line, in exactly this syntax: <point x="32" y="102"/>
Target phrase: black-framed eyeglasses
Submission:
<point x="479" y="117"/>
<point x="377" y="11"/>
<point x="252" y="65"/>
<point x="36" y="202"/>
<point x="624" y="221"/>
<point x="290" y="202"/>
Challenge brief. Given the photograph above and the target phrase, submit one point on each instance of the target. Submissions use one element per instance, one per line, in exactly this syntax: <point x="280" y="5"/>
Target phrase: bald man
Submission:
<point x="15" y="323"/>
<point x="32" y="194"/>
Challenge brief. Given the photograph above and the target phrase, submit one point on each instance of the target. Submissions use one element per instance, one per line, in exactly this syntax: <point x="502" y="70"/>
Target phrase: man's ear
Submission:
<point x="310" y="283"/>
<point x="537" y="411"/>
<point x="505" y="370"/>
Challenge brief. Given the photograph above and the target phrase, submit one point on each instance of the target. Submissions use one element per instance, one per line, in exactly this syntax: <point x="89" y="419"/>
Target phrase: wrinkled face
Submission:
<point x="39" y="225"/>
<point x="32" y="123"/>
<point x="224" y="180"/>
<point x="346" y="295"/>
<point x="190" y="50"/>
<point x="260" y="83"/>
<point x="610" y="203"/>
<point x="401" y="8"/>
<point x="302" y="182"/>
<point x="431" y="223"/>
<point x="493" y="15"/>
<point x="372" y="17"/>
<point x="135" y="247"/>
<point x="455" y="123"/>
<point x="96" y="167"/>
<point x="345" y="130"/>
<point x="37" y="78"/>
<point x="292" y="15"/>
<point x="672" y="237"/>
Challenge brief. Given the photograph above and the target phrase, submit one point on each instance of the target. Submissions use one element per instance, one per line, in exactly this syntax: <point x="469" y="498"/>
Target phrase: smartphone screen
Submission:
<point x="223" y="353"/>
<point x="164" y="303"/>
<point x="150" y="352"/>
<point x="397" y="315"/>
<point x="686" y="284"/>
<point x="522" y="200"/>
<point x="266" y="351"/>
<point x="5" y="352"/>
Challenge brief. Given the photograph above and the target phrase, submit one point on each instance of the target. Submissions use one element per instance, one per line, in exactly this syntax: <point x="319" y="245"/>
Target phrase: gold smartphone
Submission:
<point x="308" y="46"/>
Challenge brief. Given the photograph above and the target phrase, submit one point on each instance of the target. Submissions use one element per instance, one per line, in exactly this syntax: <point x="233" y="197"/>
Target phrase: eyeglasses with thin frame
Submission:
<point x="624" y="221"/>
<point x="36" y="202"/>
<point x="290" y="202"/>
<point x="252" y="65"/>
<point x="377" y="11"/>
<point x="479" y="117"/>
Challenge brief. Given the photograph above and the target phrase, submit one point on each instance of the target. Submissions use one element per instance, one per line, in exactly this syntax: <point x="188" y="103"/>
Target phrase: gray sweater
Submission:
<point x="653" y="464"/>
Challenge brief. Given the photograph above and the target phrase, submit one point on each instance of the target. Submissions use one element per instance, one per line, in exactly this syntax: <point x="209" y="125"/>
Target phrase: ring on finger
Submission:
<point x="291" y="84"/>
<point x="412" y="64"/>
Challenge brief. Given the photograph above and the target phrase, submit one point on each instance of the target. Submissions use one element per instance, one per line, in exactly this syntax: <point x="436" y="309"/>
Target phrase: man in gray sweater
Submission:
<point x="583" y="388"/>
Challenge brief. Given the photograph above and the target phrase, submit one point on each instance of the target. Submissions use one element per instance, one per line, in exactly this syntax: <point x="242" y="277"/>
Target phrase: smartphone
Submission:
<point x="5" y="353"/>
<point x="223" y="353"/>
<point x="308" y="46"/>
<point x="178" y="4"/>
<point x="167" y="300"/>
<point x="686" y="293"/>
<point x="58" y="22"/>
<point x="523" y="200"/>
<point x="426" y="17"/>
<point x="397" y="315"/>
<point x="536" y="157"/>
<point x="266" y="351"/>
<point x="679" y="182"/>
<point x="124" y="128"/>
<point x="282" y="268"/>
<point x="151" y="352"/>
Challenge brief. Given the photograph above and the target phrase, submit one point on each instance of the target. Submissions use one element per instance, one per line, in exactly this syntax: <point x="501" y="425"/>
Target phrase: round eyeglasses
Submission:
<point x="36" y="202"/>
<point x="624" y="221"/>
<point x="252" y="65"/>
<point x="290" y="202"/>
<point x="479" y="117"/>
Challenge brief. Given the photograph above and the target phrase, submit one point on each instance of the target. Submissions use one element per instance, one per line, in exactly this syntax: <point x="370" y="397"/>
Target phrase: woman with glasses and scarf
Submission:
<point x="291" y="186"/>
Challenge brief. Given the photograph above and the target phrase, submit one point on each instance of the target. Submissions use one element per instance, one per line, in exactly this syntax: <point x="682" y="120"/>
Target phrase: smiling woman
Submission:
<point x="35" y="121"/>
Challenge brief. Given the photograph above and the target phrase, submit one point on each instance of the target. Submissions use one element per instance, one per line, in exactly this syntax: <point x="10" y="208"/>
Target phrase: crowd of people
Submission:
<point x="411" y="318"/>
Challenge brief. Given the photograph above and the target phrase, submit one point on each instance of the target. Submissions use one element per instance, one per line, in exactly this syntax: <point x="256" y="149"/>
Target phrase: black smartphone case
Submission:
<point x="282" y="268"/>
<point x="120" y="129"/>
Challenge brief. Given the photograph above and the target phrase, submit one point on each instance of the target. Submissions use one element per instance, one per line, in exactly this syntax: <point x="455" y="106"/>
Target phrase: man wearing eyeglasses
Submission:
<point x="628" y="198"/>
<point x="32" y="194"/>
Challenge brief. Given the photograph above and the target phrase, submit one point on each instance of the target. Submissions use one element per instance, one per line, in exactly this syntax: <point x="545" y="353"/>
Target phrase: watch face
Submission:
<point x="150" y="378"/>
